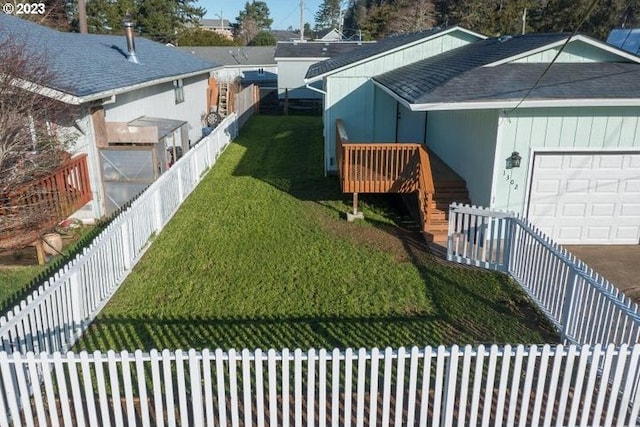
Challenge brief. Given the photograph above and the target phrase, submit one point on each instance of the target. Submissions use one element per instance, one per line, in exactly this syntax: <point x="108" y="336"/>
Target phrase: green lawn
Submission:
<point x="260" y="256"/>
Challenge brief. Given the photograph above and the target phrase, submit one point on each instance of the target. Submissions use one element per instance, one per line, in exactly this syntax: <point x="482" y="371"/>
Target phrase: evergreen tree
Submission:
<point x="161" y="19"/>
<point x="200" y="37"/>
<point x="258" y="12"/>
<point x="329" y="15"/>
<point x="264" y="38"/>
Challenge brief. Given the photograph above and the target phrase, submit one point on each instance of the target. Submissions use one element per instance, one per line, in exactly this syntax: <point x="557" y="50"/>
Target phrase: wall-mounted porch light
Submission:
<point x="513" y="161"/>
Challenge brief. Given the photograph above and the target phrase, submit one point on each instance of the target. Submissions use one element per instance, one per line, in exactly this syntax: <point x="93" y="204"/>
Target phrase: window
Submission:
<point x="261" y="71"/>
<point x="178" y="90"/>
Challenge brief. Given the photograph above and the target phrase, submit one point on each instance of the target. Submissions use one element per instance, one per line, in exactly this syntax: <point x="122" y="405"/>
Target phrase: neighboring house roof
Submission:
<point x="317" y="50"/>
<point x="285" y="36"/>
<point x="625" y="39"/>
<point x="384" y="46"/>
<point x="91" y="66"/>
<point x="454" y="74"/>
<point x="329" y="34"/>
<point x="232" y="55"/>
<point x="215" y="23"/>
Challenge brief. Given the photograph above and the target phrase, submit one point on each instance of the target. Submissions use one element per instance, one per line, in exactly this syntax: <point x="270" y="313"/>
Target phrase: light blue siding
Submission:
<point x="349" y="99"/>
<point x="410" y="125"/>
<point x="576" y="51"/>
<point x="291" y="79"/>
<point x="466" y="141"/>
<point x="576" y="129"/>
<point x="370" y="114"/>
<point x="384" y="123"/>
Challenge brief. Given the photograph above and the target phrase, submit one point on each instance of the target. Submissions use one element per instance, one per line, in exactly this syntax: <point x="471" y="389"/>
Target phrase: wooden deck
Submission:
<point x="37" y="205"/>
<point x="401" y="168"/>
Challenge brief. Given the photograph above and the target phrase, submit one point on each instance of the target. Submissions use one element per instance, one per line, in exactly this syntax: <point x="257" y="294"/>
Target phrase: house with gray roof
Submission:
<point x="544" y="125"/>
<point x="221" y="26"/>
<point x="126" y="94"/>
<point x="349" y="93"/>
<point x="251" y="64"/>
<point x="295" y="58"/>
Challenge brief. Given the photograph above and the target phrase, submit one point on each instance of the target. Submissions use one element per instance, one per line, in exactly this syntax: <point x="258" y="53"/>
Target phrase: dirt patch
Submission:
<point x="399" y="242"/>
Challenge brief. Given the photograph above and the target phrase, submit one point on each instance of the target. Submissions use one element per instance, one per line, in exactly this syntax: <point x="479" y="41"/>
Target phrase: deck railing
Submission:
<point x="39" y="204"/>
<point x="384" y="168"/>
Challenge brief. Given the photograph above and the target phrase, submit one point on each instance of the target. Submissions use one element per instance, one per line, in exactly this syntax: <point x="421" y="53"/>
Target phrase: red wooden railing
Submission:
<point x="384" y="168"/>
<point x="39" y="204"/>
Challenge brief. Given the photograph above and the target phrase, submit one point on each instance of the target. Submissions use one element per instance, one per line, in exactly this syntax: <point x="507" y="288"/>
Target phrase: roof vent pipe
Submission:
<point x="131" y="45"/>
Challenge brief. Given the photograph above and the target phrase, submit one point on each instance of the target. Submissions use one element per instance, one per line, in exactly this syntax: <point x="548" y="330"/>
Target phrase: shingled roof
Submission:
<point x="318" y="49"/>
<point x="371" y="50"/>
<point x="234" y="55"/>
<point x="87" y="66"/>
<point x="512" y="82"/>
<point x="461" y="75"/>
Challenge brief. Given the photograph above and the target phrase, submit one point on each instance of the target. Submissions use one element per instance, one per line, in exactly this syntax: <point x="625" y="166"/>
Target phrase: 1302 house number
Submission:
<point x="507" y="177"/>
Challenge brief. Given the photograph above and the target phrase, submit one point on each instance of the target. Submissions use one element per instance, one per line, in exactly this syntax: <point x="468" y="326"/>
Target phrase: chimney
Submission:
<point x="131" y="45"/>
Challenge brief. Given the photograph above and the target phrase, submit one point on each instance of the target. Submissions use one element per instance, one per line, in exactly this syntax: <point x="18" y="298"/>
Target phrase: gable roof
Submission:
<point x="215" y="23"/>
<point x="507" y="85"/>
<point x="384" y="46"/>
<point x="451" y="74"/>
<point x="234" y="55"/>
<point x="318" y="50"/>
<point x="91" y="66"/>
<point x="285" y="36"/>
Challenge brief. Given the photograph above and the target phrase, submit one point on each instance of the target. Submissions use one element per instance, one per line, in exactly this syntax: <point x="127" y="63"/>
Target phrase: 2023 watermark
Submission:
<point x="13" y="8"/>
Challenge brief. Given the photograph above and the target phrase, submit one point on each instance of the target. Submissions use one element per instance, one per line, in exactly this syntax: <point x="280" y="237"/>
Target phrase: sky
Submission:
<point x="284" y="13"/>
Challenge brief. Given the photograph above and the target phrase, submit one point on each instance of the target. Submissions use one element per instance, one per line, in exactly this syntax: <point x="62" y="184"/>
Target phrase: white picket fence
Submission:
<point x="54" y="316"/>
<point x="519" y="385"/>
<point x="526" y="386"/>
<point x="586" y="308"/>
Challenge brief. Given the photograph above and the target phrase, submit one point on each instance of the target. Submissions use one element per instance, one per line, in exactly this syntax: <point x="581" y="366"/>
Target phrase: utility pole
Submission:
<point x="82" y="16"/>
<point x="301" y="20"/>
<point x="524" y="20"/>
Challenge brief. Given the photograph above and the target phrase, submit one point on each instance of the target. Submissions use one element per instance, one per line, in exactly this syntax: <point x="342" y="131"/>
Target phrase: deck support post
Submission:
<point x="352" y="216"/>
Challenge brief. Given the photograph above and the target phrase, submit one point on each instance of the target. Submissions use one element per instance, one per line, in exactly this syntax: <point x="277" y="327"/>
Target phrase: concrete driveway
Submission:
<point x="618" y="264"/>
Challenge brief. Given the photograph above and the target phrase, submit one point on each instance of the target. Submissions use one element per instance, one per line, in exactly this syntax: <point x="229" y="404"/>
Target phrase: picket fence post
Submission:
<point x="567" y="305"/>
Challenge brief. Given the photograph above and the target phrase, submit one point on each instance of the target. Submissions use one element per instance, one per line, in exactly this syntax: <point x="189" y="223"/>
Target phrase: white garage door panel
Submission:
<point x="587" y="198"/>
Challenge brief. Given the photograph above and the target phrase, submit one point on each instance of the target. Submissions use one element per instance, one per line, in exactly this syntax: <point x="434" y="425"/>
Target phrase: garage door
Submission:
<point x="587" y="198"/>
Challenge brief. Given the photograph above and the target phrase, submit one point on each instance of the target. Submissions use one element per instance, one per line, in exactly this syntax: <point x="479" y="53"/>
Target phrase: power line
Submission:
<point x="555" y="58"/>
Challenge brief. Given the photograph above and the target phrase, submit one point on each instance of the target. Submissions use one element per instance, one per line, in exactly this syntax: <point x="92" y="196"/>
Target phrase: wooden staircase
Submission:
<point x="401" y="168"/>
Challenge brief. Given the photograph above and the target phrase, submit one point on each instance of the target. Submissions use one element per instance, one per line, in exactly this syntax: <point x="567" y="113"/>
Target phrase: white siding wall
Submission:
<point x="466" y="141"/>
<point x="159" y="101"/>
<point x="291" y="76"/>
<point x="589" y="128"/>
<point x="369" y="114"/>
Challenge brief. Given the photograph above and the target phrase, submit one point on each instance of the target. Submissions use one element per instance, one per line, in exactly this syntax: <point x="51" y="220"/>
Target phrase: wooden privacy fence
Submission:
<point x="488" y="386"/>
<point x="586" y="308"/>
<point x="53" y="317"/>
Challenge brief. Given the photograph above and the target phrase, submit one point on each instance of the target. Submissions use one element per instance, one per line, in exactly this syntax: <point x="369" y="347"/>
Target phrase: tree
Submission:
<point x="264" y="38"/>
<point x="160" y="20"/>
<point x="329" y="15"/>
<point x="30" y="144"/>
<point x="258" y="12"/>
<point x="412" y="15"/>
<point x="200" y="37"/>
